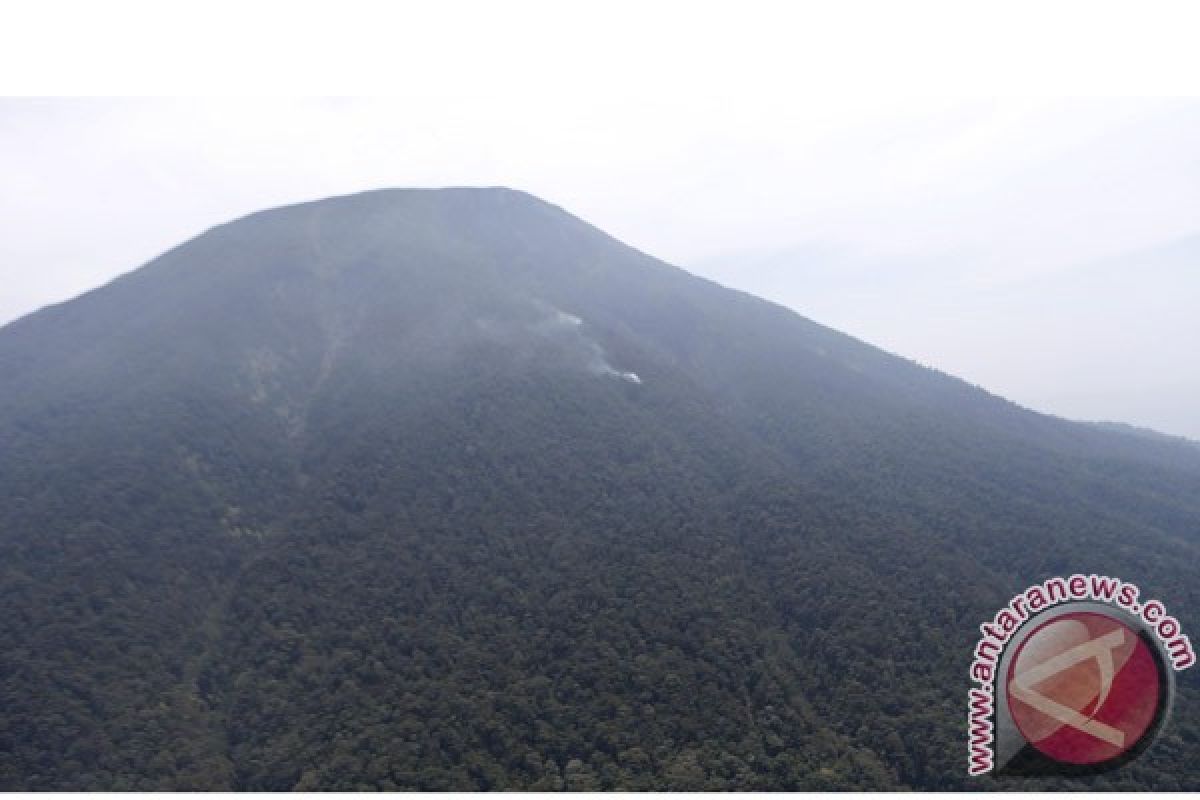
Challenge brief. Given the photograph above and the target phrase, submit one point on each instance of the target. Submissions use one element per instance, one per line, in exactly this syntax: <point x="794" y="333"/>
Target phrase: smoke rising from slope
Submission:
<point x="570" y="328"/>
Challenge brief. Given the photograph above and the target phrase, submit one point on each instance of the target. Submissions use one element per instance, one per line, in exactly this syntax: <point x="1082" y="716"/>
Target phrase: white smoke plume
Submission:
<point x="560" y="323"/>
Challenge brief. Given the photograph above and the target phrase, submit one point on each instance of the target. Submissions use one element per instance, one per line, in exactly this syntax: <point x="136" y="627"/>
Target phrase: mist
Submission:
<point x="1046" y="250"/>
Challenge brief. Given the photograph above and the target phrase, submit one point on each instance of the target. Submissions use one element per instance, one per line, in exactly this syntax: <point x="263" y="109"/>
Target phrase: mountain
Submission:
<point x="1103" y="338"/>
<point x="447" y="489"/>
<point x="1145" y="433"/>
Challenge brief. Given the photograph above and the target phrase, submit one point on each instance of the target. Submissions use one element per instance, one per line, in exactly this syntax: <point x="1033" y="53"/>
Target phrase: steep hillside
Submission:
<point x="450" y="490"/>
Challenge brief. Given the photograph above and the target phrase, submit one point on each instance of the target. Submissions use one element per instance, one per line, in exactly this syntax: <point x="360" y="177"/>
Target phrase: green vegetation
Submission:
<point x="332" y="497"/>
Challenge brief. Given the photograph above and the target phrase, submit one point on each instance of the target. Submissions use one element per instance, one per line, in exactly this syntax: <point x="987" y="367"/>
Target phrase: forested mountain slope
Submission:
<point x="450" y="490"/>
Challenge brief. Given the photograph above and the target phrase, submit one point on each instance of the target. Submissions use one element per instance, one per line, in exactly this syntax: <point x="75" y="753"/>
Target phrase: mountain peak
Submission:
<point x="313" y="499"/>
<point x="447" y="199"/>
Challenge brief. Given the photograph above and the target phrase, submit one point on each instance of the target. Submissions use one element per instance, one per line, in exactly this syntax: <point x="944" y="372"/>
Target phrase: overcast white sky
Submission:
<point x="1046" y="249"/>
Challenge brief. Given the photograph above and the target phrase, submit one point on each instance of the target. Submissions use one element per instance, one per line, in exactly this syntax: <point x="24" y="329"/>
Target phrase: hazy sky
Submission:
<point x="1048" y="250"/>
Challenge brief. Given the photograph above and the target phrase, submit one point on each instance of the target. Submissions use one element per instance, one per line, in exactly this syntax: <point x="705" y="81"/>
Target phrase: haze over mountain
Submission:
<point x="450" y="490"/>
<point x="1043" y="248"/>
<point x="1103" y="339"/>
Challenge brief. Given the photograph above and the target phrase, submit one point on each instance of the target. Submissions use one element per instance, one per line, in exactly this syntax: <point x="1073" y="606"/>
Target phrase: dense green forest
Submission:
<point x="362" y="494"/>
